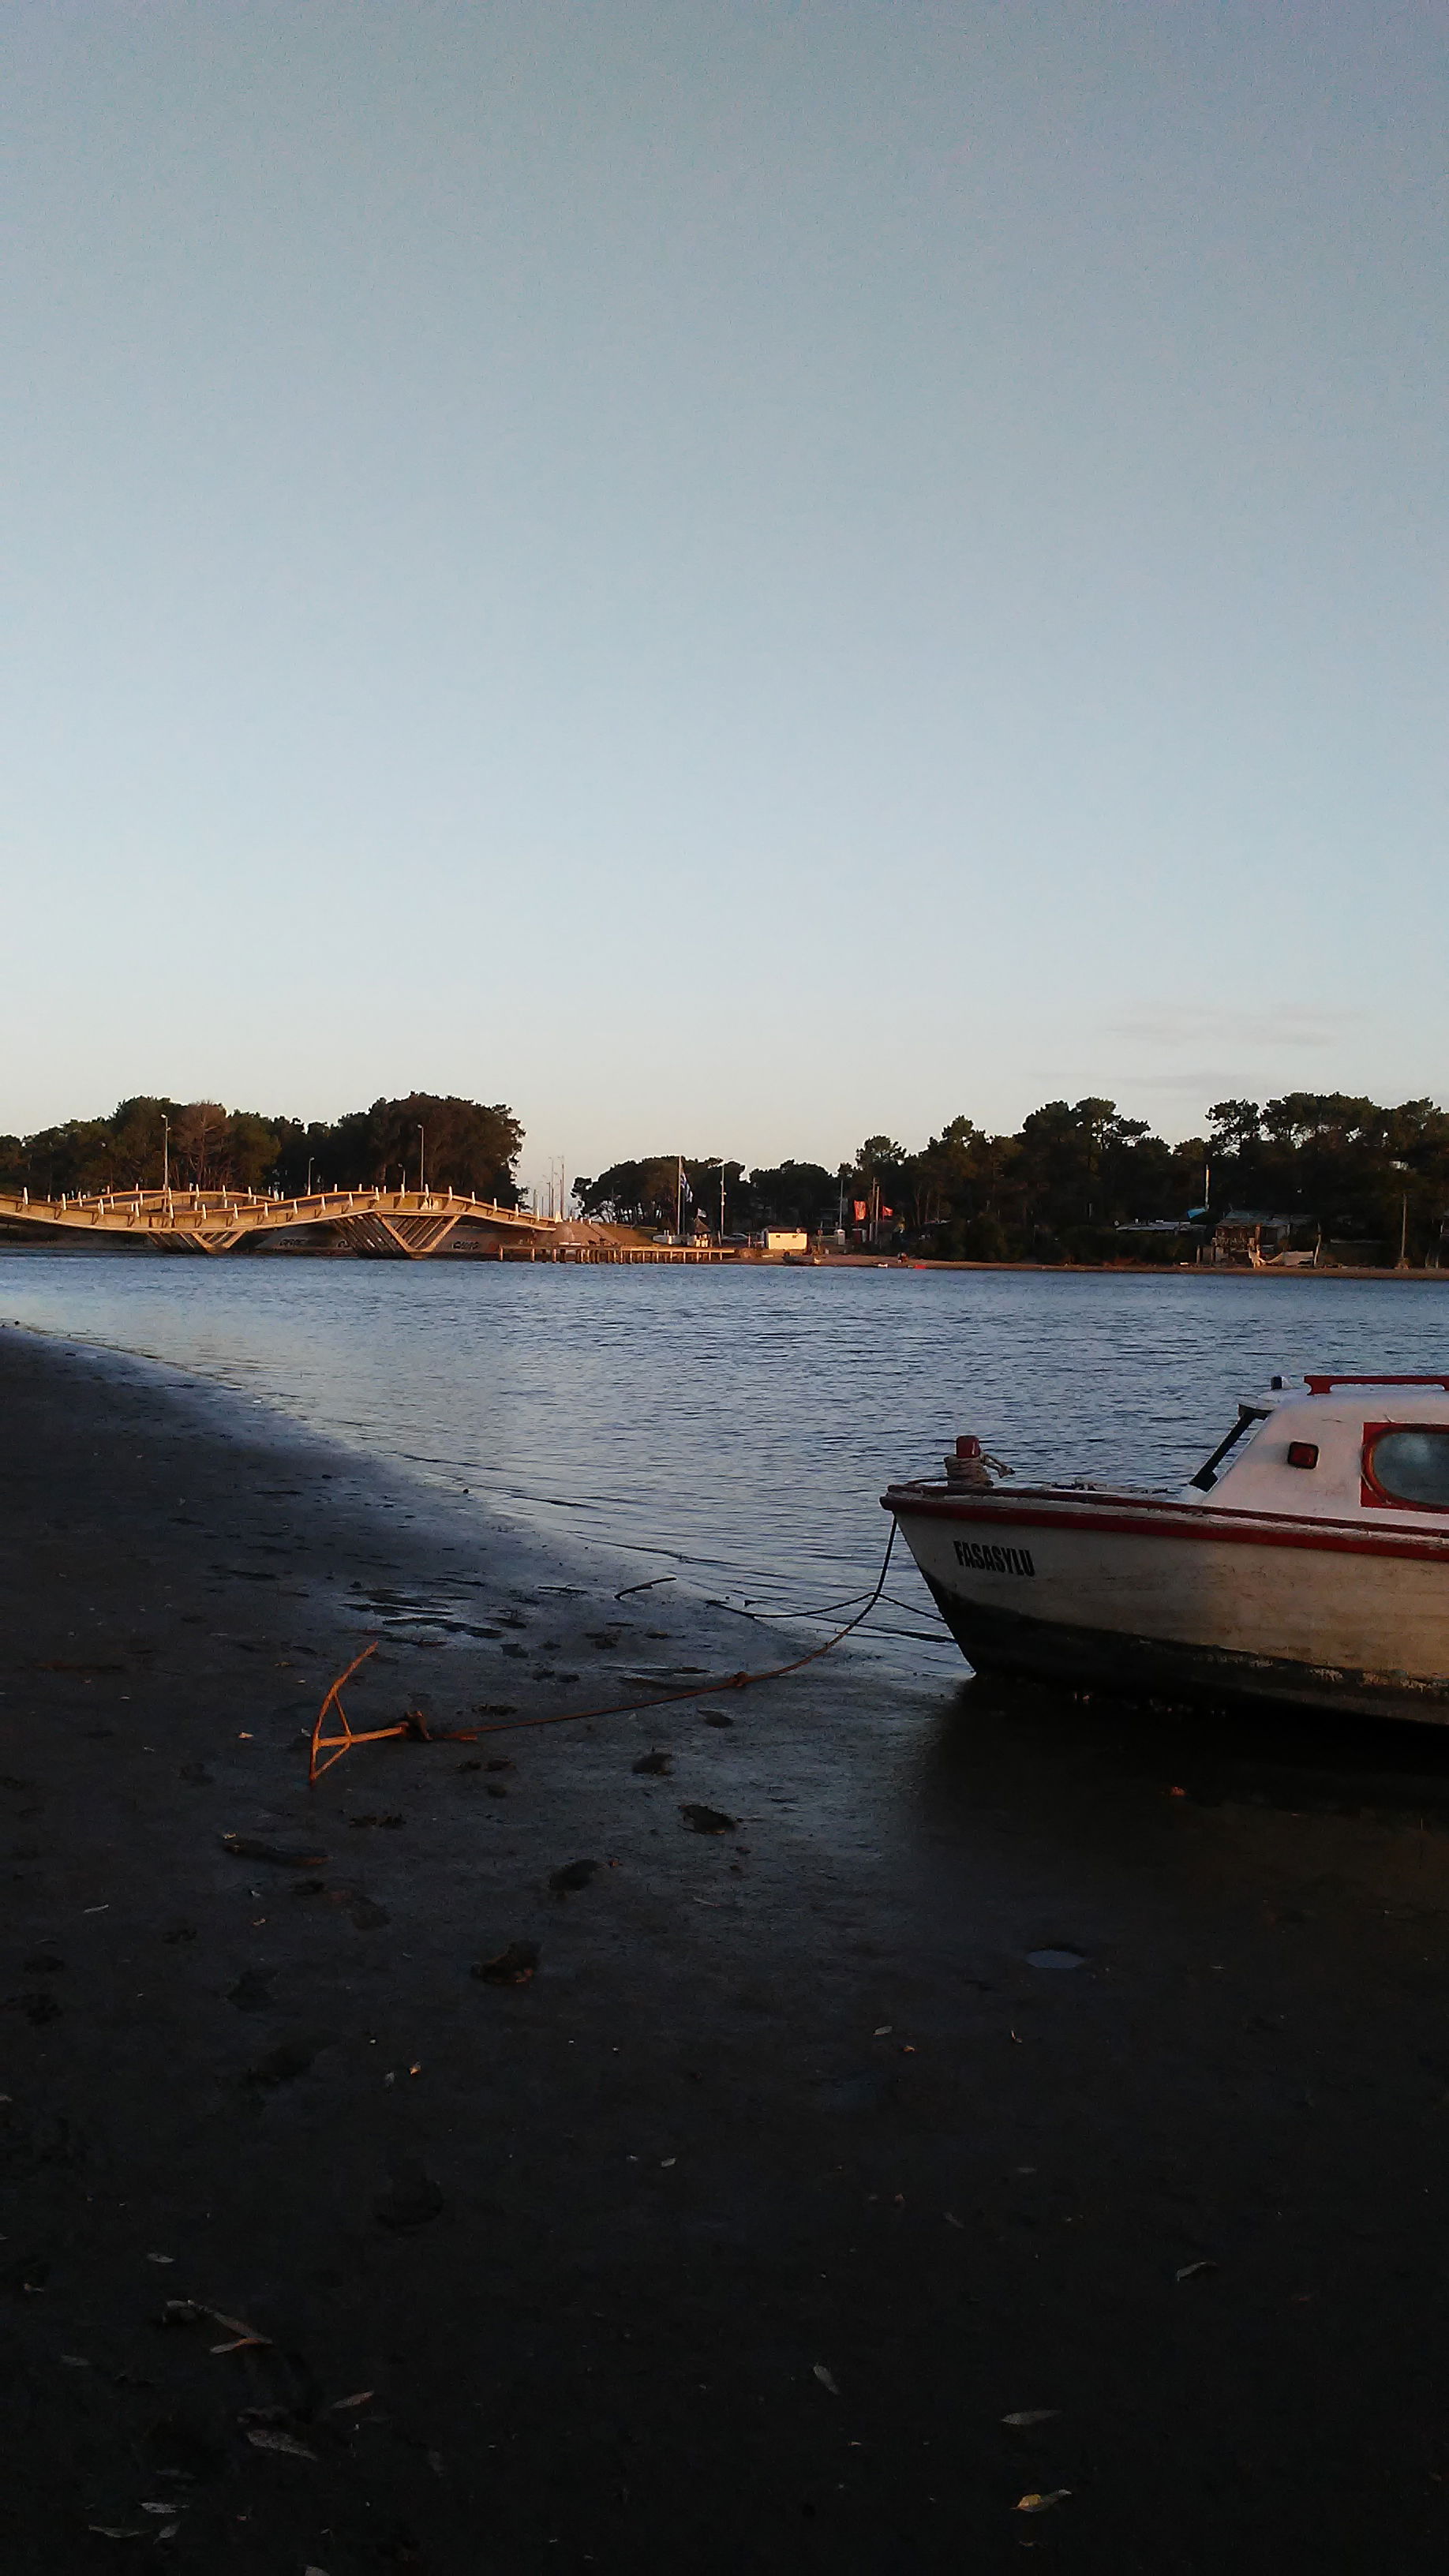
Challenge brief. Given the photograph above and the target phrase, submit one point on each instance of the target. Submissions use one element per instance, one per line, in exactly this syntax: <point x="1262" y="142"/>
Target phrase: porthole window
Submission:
<point x="1411" y="1467"/>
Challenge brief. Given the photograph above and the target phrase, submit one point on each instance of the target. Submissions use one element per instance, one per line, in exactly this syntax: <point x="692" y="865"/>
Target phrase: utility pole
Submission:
<point x="1404" y="1232"/>
<point x="678" y="1196"/>
<point x="165" y="1151"/>
<point x="422" y="1157"/>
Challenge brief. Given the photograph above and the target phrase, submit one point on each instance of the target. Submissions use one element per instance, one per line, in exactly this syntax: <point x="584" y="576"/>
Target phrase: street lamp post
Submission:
<point x="165" y="1151"/>
<point x="422" y="1158"/>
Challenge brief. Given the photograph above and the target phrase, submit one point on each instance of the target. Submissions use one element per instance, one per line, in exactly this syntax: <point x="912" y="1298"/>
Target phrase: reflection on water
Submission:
<point x="737" y="1426"/>
<point x="1032" y="1746"/>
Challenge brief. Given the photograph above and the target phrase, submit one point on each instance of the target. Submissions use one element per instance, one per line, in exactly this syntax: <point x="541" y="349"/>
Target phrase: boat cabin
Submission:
<point x="1348" y="1448"/>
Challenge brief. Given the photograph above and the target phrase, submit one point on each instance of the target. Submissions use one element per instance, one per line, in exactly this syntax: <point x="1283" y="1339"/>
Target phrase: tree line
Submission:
<point x="1055" y="1190"/>
<point x="1061" y="1185"/>
<point x="453" y="1144"/>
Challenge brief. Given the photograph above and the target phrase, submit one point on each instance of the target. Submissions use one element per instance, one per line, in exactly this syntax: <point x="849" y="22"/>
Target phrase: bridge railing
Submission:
<point x="254" y="1209"/>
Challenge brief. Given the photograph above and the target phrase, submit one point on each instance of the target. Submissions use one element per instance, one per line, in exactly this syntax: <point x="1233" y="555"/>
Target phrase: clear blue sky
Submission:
<point x="732" y="575"/>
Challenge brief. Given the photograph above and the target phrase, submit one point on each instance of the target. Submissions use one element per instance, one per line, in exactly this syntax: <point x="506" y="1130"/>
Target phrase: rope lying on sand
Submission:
<point x="417" y="1730"/>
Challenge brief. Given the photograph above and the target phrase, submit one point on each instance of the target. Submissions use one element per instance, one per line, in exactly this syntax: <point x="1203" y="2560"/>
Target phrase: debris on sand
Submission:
<point x="1032" y="2415"/>
<point x="717" y="1717"/>
<point x="825" y="2377"/>
<point x="708" y="1820"/>
<point x="191" y="2312"/>
<point x="242" y="2338"/>
<point x="27" y="2276"/>
<point x="514" y="1966"/>
<point x="246" y="1847"/>
<point x="1035" y="2503"/>
<point x="268" y="2437"/>
<point x="571" y="1880"/>
<point x="654" y="1765"/>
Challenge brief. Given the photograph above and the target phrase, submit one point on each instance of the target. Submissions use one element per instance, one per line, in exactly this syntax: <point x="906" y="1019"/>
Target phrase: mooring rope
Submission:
<point x="415" y="1726"/>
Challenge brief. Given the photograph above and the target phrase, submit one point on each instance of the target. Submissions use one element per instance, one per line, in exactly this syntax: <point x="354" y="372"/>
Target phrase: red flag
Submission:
<point x="859" y="1207"/>
<point x="887" y="1211"/>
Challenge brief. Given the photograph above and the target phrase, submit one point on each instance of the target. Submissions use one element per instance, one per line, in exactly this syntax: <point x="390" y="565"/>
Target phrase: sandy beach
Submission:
<point x="1019" y="2125"/>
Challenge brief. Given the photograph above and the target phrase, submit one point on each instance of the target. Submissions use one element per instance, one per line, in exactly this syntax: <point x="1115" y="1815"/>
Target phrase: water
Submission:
<point x="733" y="1428"/>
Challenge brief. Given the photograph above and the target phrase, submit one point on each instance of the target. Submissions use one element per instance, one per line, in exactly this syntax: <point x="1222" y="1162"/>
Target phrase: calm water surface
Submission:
<point x="735" y="1427"/>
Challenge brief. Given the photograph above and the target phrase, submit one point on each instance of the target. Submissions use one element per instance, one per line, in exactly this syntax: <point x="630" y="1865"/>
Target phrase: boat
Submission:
<point x="1306" y="1561"/>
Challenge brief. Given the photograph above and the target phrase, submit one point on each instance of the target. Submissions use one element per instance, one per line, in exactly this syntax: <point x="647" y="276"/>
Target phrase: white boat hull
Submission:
<point x="1136" y="1594"/>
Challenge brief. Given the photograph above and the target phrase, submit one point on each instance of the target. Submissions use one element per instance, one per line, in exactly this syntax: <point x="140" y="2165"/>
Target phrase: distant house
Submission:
<point x="1255" y="1239"/>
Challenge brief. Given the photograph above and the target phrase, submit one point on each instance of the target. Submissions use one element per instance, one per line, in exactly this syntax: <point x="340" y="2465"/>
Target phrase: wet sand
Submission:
<point x="730" y="2239"/>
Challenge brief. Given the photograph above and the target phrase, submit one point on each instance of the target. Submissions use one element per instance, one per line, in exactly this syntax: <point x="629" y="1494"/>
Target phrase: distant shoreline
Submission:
<point x="118" y="1250"/>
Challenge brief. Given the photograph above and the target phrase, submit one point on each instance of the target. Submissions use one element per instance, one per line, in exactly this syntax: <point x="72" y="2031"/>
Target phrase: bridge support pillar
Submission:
<point x="395" y="1238"/>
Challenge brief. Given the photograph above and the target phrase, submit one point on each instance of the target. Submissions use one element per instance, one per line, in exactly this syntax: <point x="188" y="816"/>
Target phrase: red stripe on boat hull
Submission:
<point x="1195" y="1522"/>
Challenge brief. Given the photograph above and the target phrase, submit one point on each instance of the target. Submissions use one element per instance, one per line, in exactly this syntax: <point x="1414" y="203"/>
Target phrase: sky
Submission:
<point x="733" y="577"/>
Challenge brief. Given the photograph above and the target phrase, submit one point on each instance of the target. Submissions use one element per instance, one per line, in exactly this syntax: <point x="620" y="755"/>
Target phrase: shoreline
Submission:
<point x="119" y="1250"/>
<point x="471" y="1520"/>
<point x="736" y="2236"/>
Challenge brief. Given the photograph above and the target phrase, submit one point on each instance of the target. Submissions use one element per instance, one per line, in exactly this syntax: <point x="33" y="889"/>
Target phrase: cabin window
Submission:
<point x="1409" y="1467"/>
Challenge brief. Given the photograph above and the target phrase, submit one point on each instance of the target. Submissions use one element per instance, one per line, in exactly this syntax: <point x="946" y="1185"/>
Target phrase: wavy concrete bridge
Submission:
<point x="393" y="1225"/>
